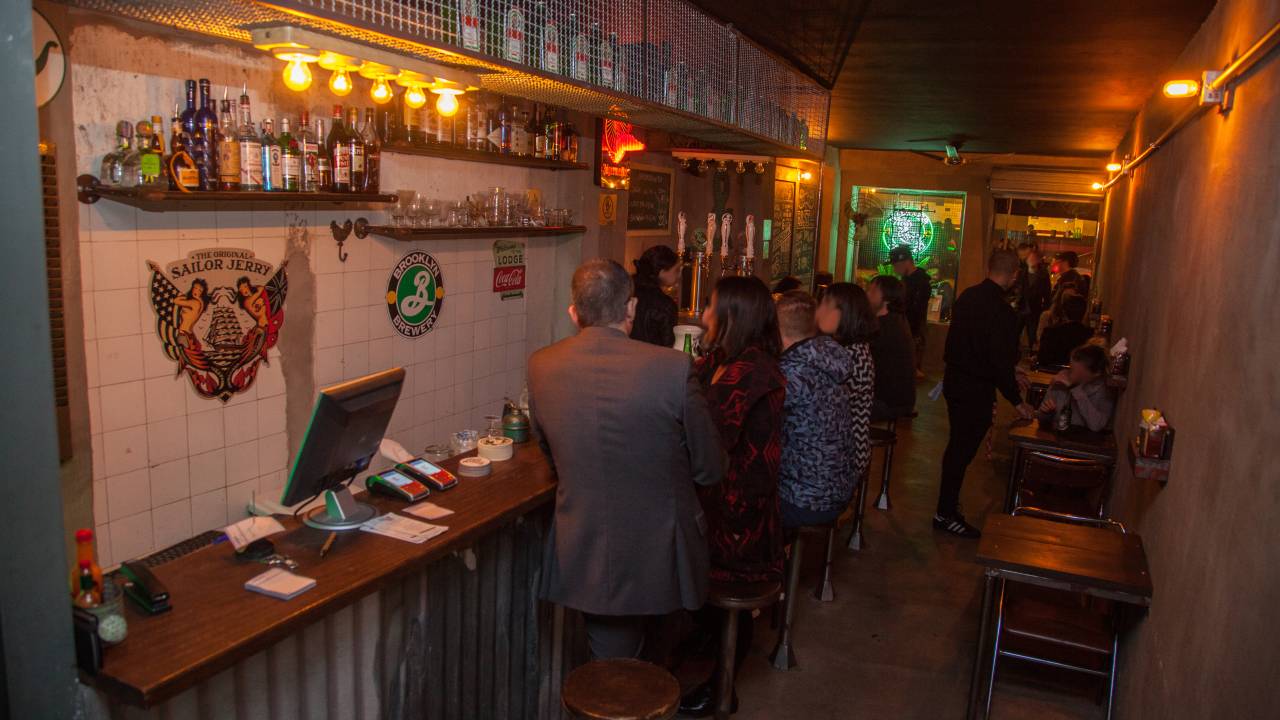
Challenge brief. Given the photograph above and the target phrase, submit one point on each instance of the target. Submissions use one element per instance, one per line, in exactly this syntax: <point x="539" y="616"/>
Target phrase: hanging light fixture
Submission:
<point x="742" y="167"/>
<point x="448" y="92"/>
<point x="297" y="74"/>
<point x="413" y="83"/>
<point x="340" y="67"/>
<point x="381" y="91"/>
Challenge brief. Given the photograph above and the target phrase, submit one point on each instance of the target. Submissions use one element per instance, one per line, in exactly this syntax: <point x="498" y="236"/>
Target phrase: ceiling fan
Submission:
<point x="951" y="150"/>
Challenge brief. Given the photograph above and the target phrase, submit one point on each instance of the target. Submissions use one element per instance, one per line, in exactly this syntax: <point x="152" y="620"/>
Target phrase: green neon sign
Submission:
<point x="907" y="226"/>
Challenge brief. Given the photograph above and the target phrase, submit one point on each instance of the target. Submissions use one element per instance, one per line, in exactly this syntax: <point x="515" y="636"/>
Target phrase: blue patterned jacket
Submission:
<point x="824" y="433"/>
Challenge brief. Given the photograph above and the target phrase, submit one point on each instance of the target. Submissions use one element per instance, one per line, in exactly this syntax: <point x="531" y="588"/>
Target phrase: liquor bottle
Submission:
<point x="595" y="44"/>
<point x="249" y="148"/>
<point x="513" y="35"/>
<point x="271" y="180"/>
<point x="552" y="52"/>
<point x="531" y="129"/>
<point x="204" y="138"/>
<point x="473" y="125"/>
<point x="579" y="53"/>
<point x="138" y="156"/>
<point x="188" y="116"/>
<point x="492" y="131"/>
<point x="444" y="129"/>
<point x="324" y="159"/>
<point x="469" y="25"/>
<point x="504" y="129"/>
<point x="228" y="150"/>
<point x="85" y="554"/>
<point x="290" y="159"/>
<point x="430" y="121"/>
<point x="310" y="154"/>
<point x="182" y="167"/>
<point x="339" y="153"/>
<point x="538" y="130"/>
<point x="372" y="152"/>
<point x="354" y="145"/>
<point x="534" y="26"/>
<point x="553" y="137"/>
<point x="608" y="61"/>
<point x="112" y="170"/>
<point x="570" y="151"/>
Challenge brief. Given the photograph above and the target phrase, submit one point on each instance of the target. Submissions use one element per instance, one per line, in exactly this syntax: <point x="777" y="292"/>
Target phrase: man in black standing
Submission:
<point x="916" y="303"/>
<point x="981" y="354"/>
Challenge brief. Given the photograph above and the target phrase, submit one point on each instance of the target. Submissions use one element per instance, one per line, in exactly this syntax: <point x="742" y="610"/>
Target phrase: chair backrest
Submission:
<point x="1069" y="518"/>
<point x="1063" y="484"/>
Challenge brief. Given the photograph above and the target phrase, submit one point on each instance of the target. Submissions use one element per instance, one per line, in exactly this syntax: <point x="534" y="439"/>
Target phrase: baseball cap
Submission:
<point x="900" y="253"/>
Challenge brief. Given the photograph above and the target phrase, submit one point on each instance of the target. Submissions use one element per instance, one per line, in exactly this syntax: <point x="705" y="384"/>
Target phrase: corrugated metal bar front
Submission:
<point x="466" y="638"/>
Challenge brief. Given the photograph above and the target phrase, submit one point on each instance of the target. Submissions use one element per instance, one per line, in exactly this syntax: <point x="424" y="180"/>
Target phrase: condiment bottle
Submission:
<point x="84" y="553"/>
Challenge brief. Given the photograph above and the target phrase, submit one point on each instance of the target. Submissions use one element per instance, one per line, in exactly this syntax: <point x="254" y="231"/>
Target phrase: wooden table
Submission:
<point x="1075" y="558"/>
<point x="215" y="623"/>
<point x="1074" y="443"/>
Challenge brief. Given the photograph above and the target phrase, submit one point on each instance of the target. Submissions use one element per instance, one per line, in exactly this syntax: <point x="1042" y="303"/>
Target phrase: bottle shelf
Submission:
<point x="90" y="190"/>
<point x="451" y="152"/>
<point x="404" y="234"/>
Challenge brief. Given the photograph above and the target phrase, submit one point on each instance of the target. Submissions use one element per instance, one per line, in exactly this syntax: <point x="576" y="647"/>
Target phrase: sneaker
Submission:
<point x="956" y="525"/>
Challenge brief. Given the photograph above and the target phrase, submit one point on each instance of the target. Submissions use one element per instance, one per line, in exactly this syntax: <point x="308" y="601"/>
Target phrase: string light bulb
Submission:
<point x="447" y="105"/>
<point x="340" y="82"/>
<point x="381" y="91"/>
<point x="297" y="74"/>
<point x="414" y="97"/>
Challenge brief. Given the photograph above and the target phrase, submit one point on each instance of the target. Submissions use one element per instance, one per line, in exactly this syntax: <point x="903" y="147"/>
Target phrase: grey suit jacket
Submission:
<point x="628" y="432"/>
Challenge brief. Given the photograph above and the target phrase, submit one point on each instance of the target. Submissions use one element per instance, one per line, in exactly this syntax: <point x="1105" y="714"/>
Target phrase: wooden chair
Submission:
<point x="1057" y="629"/>
<point x="885" y="437"/>
<point x="783" y="656"/>
<point x="734" y="598"/>
<point x="621" y="689"/>
<point x="1074" y="486"/>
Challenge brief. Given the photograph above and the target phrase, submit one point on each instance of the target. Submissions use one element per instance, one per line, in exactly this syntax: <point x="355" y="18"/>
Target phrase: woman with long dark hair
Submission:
<point x="657" y="269"/>
<point x="892" y="350"/>
<point x="745" y="391"/>
<point x="845" y="314"/>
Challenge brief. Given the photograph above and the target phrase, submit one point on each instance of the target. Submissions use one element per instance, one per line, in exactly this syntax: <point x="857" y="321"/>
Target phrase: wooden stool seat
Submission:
<point x="744" y="595"/>
<point x="621" y="689"/>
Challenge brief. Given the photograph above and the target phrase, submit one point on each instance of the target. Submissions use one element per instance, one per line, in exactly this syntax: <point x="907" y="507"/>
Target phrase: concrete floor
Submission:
<point x="899" y="639"/>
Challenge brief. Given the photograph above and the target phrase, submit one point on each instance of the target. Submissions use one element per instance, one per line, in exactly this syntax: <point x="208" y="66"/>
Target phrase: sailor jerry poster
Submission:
<point x="218" y="312"/>
<point x="508" y="268"/>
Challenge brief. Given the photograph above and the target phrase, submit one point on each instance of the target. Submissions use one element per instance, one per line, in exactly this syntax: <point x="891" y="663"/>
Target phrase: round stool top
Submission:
<point x="880" y="436"/>
<point x="744" y="595"/>
<point x="621" y="689"/>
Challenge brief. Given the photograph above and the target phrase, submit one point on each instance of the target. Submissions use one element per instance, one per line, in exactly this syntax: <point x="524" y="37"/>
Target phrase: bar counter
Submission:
<point x="448" y="628"/>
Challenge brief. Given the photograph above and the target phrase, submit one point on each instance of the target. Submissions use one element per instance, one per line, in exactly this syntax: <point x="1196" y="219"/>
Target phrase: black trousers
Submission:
<point x="969" y="410"/>
<point x="614" y="636"/>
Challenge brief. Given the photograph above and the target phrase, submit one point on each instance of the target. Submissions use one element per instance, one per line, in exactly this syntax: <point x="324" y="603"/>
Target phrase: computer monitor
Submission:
<point x="347" y="424"/>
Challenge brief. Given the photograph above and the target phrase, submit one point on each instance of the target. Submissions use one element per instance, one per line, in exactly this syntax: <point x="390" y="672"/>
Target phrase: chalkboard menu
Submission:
<point x="649" y="201"/>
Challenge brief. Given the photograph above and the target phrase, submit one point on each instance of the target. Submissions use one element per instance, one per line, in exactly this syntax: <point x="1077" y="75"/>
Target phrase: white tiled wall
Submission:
<point x="168" y="464"/>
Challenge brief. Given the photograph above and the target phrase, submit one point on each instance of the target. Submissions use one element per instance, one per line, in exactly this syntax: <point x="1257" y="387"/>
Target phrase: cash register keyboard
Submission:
<point x="186" y="547"/>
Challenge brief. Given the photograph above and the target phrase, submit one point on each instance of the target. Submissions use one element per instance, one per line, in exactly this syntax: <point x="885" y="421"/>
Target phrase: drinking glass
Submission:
<point x="495" y="426"/>
<point x="464" y="441"/>
<point x="400" y="211"/>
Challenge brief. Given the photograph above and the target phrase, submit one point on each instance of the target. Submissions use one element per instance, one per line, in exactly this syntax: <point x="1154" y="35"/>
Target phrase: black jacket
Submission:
<point x="1057" y="342"/>
<point x="919" y="289"/>
<point x="655" y="316"/>
<point x="895" y="358"/>
<point x="1033" y="292"/>
<point x="982" y="345"/>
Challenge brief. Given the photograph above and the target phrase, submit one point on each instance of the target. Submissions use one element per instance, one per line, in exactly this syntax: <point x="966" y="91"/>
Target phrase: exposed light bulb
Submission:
<point x="721" y="166"/>
<point x="1181" y="88"/>
<point x="1114" y="167"/>
<point x="340" y="82"/>
<point x="381" y="91"/>
<point x="414" y="97"/>
<point x="297" y="76"/>
<point x="806" y="175"/>
<point x="1096" y="186"/>
<point x="742" y="167"/>
<point x="447" y="104"/>
<point x="759" y="168"/>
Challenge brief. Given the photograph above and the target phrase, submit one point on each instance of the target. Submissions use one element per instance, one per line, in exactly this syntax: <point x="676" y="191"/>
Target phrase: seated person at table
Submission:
<point x="893" y="351"/>
<point x="1057" y="341"/>
<point x="1084" y="385"/>
<point x="816" y="477"/>
<point x="627" y="429"/>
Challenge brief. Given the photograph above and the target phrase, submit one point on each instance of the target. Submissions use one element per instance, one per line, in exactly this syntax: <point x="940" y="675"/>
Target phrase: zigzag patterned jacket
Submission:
<point x="825" y="443"/>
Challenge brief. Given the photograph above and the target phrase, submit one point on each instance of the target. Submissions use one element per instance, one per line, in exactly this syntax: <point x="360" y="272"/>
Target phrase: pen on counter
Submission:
<point x="328" y="543"/>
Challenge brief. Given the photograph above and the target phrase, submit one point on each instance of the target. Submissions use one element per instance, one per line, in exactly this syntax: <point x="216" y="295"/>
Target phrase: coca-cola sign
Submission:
<point x="508" y="268"/>
<point x="506" y="279"/>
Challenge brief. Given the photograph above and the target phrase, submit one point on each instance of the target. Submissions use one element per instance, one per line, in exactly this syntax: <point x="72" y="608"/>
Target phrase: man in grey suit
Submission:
<point x="628" y="431"/>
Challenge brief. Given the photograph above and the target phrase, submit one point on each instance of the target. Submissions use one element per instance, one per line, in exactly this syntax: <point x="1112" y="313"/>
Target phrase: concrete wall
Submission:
<point x="166" y="463"/>
<point x="1189" y="266"/>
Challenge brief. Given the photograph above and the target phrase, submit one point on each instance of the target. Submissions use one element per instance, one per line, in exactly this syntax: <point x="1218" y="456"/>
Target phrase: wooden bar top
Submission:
<point x="1086" y="558"/>
<point x="216" y="623"/>
<point x="1077" y="439"/>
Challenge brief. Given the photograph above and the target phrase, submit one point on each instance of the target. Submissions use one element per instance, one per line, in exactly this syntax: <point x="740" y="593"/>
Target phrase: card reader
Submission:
<point x="142" y="587"/>
<point x="398" y="485"/>
<point x="437" y="477"/>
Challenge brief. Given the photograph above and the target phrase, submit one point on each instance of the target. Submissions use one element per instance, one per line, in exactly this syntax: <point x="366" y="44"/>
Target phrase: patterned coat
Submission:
<point x="819" y="467"/>
<point x="861" y="394"/>
<point x="744" y="530"/>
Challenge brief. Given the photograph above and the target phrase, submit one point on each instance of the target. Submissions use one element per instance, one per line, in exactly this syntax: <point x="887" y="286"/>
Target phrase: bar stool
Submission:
<point x="621" y="689"/>
<point x="887" y="438"/>
<point x="734" y="597"/>
<point x="859" y="507"/>
<point x="783" y="656"/>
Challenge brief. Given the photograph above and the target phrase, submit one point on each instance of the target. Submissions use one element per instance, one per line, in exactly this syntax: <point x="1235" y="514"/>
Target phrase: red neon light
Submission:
<point x="620" y="140"/>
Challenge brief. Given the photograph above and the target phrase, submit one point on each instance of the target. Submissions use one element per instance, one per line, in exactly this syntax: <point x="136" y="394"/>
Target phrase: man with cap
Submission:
<point x="916" y="303"/>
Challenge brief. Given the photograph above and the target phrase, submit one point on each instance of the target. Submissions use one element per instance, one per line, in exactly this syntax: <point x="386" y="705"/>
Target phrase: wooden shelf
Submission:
<point x="452" y="152"/>
<point x="90" y="190"/>
<point x="404" y="234"/>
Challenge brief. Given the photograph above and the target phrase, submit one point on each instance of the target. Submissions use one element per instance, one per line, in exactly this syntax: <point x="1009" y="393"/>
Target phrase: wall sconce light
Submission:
<point x="1181" y="88"/>
<point x="297" y="76"/>
<point x="1114" y="167"/>
<point x="742" y="167"/>
<point x="759" y="168"/>
<point x="340" y="67"/>
<point x="1096" y="186"/>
